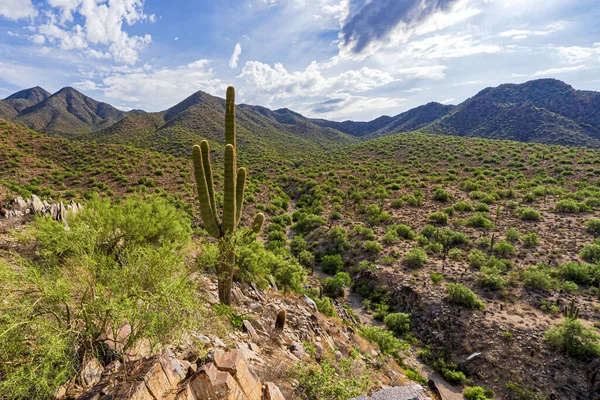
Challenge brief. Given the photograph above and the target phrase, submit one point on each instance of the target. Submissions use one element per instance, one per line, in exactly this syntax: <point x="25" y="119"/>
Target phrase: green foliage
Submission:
<point x="512" y="235"/>
<point x="531" y="239"/>
<point x="255" y="264"/>
<point x="387" y="342"/>
<point x="503" y="248"/>
<point x="116" y="264"/>
<point x="571" y="206"/>
<point x="439" y="194"/>
<point x="372" y="247"/>
<point x="415" y="258"/>
<point x="516" y="391"/>
<point x="322" y="381"/>
<point x="490" y="278"/>
<point x="591" y="252"/>
<point x="399" y="323"/>
<point x="476" y="258"/>
<point x="332" y="264"/>
<point x="583" y="274"/>
<point x="334" y="287"/>
<point x="308" y="223"/>
<point x="479" y="220"/>
<point x="463" y="206"/>
<point x="538" y="279"/>
<point x="478" y="393"/>
<point x="441" y="363"/>
<point x="435" y="277"/>
<point x="529" y="214"/>
<point x="438" y="217"/>
<point x="462" y="295"/>
<point x="571" y="336"/>
<point x="592" y="226"/>
<point x="338" y="238"/>
<point x="306" y="259"/>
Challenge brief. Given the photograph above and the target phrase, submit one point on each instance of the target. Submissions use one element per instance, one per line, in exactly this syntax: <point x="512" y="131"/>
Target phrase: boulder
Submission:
<point x="37" y="207"/>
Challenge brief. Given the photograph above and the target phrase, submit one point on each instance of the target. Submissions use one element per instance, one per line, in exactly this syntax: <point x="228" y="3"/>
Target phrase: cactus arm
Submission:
<point x="229" y="207"/>
<point x="239" y="194"/>
<point x="230" y="117"/>
<point x="205" y="207"/>
<point x="259" y="220"/>
<point x="206" y="165"/>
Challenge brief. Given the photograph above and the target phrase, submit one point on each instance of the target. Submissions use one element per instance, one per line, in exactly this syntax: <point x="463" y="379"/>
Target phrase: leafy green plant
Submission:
<point x="399" y="323"/>
<point x="462" y="295"/>
<point x="478" y="393"/>
<point x="415" y="258"/>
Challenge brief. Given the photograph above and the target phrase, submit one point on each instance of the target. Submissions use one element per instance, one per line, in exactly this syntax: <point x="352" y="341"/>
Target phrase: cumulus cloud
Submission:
<point x="102" y="28"/>
<point x="235" y="56"/>
<point x="156" y="89"/>
<point x="577" y="54"/>
<point x="271" y="83"/>
<point x="376" y="20"/>
<point x="17" y="9"/>
<point x="555" y="71"/>
<point x="346" y="106"/>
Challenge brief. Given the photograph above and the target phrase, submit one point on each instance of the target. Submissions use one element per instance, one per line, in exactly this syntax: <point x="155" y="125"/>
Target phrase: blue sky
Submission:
<point x="335" y="59"/>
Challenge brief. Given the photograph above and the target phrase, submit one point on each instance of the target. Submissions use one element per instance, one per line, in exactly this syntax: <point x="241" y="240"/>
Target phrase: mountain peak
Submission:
<point x="35" y="93"/>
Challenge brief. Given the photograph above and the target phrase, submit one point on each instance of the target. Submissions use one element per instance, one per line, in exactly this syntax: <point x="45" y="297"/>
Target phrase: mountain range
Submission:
<point x="542" y="111"/>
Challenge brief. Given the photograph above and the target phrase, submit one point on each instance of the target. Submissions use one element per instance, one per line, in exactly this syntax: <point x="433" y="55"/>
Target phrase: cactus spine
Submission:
<point x="233" y="198"/>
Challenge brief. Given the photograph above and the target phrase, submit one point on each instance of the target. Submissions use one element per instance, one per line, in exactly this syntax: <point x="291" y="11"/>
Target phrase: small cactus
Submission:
<point x="233" y="199"/>
<point x="571" y="312"/>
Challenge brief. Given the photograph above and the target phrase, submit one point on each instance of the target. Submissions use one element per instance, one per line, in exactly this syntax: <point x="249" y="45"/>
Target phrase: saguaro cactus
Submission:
<point x="233" y="199"/>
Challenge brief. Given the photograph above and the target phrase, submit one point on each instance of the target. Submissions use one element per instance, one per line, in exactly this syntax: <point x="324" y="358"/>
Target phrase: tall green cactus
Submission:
<point x="233" y="199"/>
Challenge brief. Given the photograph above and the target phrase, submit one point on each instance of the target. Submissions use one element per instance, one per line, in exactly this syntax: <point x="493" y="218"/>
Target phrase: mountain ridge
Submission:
<point x="542" y="111"/>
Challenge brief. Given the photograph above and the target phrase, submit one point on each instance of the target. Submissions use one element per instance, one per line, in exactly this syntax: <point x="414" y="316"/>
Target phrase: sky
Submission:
<point x="334" y="59"/>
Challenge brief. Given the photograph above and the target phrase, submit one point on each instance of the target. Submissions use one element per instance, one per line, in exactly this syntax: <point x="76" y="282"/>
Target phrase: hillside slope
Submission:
<point x="543" y="111"/>
<point x="261" y="132"/>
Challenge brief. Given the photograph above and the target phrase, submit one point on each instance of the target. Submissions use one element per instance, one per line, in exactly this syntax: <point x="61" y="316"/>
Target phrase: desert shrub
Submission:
<point x="455" y="254"/>
<point x="463" y="206"/>
<point x="438" y="217"/>
<point x="435" y="277"/>
<point x="512" y="235"/>
<point x="298" y="244"/>
<point x="439" y="194"/>
<point x="306" y="259"/>
<point x="571" y="336"/>
<point x="334" y="287"/>
<point x="462" y="295"/>
<point x="476" y="258"/>
<point x="331" y="264"/>
<point x="490" y="278"/>
<point x="308" y="223"/>
<point x="516" y="391"/>
<point x="372" y="247"/>
<point x="482" y="207"/>
<point x="591" y="252"/>
<point x="569" y="287"/>
<point x="366" y="233"/>
<point x="254" y="263"/>
<point x="415" y="258"/>
<point x="478" y="393"/>
<point x="323" y="381"/>
<point x="116" y="264"/>
<point x="592" y="226"/>
<point x="479" y="220"/>
<point x="404" y="231"/>
<point x="387" y="342"/>
<point x="442" y="364"/>
<point x="399" y="323"/>
<point x="529" y="214"/>
<point x="397" y="203"/>
<point x="503" y="248"/>
<point x="338" y="238"/>
<point x="537" y="279"/>
<point x="531" y="239"/>
<point x="583" y="274"/>
<point x="571" y="206"/>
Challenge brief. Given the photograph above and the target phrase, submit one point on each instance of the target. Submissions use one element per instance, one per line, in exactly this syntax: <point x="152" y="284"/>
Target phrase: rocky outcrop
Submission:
<point x="227" y="377"/>
<point x="19" y="207"/>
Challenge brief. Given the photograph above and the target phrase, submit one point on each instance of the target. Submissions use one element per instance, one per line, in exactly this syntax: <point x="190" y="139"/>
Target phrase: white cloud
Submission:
<point x="577" y="54"/>
<point x="156" y="89"/>
<point x="103" y="27"/>
<point x="346" y="106"/>
<point x="447" y="101"/>
<point x="554" y="71"/>
<point x="272" y="83"/>
<point x="17" y="9"/>
<point x="38" y="39"/>
<point x="447" y="46"/>
<point x="235" y="56"/>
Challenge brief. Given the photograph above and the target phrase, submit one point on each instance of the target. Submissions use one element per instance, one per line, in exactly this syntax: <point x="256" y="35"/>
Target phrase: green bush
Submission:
<point x="571" y="206"/>
<point x="334" y="287"/>
<point x="591" y="252"/>
<point x="116" y="264"/>
<point x="399" y="323"/>
<point x="503" y="248"/>
<point x="415" y="258"/>
<point x="479" y="220"/>
<point x="529" y="214"/>
<point x="583" y="274"/>
<point x="476" y="258"/>
<point x="512" y="235"/>
<point x="462" y="295"/>
<point x="404" y="231"/>
<point x="439" y="194"/>
<point x="531" y="239"/>
<point x="463" y="206"/>
<point x="332" y="264"/>
<point x="571" y="336"/>
<point x="387" y="342"/>
<point x="306" y="259"/>
<point x="490" y="278"/>
<point x="372" y="247"/>
<point x="322" y="381"/>
<point x="438" y="217"/>
<point x="537" y="279"/>
<point x="478" y="393"/>
<point x="592" y="226"/>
